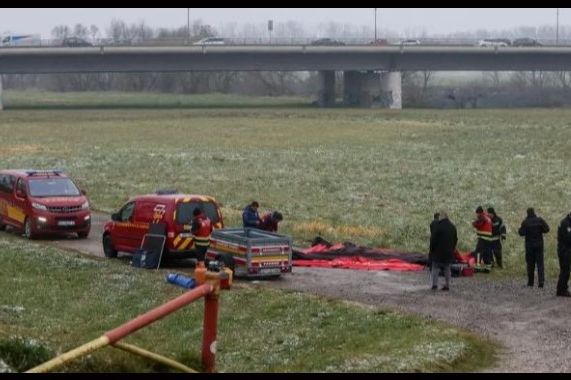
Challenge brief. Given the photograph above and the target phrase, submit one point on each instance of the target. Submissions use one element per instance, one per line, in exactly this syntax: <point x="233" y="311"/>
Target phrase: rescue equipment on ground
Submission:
<point x="181" y="280"/>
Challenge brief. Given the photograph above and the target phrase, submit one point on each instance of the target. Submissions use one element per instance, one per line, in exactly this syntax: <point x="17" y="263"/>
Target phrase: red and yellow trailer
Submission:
<point x="252" y="252"/>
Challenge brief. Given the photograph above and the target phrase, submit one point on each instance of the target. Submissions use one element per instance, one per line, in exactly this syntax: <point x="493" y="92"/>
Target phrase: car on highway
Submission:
<point x="409" y="42"/>
<point x="526" y="41"/>
<point x="168" y="208"/>
<point x="327" y="42"/>
<point x="43" y="202"/>
<point x="211" y="41"/>
<point x="75" y="42"/>
<point x="379" y="42"/>
<point x="493" y="42"/>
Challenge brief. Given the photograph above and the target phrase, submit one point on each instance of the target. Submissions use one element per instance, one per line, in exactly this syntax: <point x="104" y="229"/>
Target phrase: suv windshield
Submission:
<point x="53" y="187"/>
<point x="184" y="211"/>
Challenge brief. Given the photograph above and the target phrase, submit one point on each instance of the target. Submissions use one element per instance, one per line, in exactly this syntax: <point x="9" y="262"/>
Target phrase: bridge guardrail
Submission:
<point x="279" y="41"/>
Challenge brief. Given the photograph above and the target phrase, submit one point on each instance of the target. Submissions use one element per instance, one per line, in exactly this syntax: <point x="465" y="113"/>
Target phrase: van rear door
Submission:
<point x="183" y="220"/>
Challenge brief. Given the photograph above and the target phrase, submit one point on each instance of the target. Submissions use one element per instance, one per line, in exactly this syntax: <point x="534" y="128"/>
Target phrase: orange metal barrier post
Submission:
<point x="209" y="330"/>
<point x="141" y="321"/>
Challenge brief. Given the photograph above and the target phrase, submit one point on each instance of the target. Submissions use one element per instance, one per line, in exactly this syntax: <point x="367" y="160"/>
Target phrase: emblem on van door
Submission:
<point x="159" y="212"/>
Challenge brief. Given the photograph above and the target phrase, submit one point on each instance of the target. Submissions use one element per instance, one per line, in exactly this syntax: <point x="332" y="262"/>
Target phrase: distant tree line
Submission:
<point x="420" y="89"/>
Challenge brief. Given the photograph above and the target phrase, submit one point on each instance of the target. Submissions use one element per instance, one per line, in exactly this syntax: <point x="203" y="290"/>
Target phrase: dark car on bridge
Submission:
<point x="75" y="42"/>
<point x="526" y="42"/>
<point x="327" y="42"/>
<point x="379" y="42"/>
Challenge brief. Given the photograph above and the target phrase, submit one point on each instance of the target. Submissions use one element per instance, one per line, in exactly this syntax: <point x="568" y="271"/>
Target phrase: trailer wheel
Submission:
<point x="227" y="259"/>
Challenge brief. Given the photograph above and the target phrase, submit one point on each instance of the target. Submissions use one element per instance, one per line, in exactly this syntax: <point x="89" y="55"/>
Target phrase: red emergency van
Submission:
<point x="127" y="227"/>
<point x="43" y="202"/>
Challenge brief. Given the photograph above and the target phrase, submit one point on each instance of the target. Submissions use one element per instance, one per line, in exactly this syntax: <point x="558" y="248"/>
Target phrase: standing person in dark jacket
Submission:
<point x="250" y="216"/>
<point x="498" y="234"/>
<point x="433" y="225"/>
<point x="533" y="227"/>
<point x="443" y="242"/>
<point x="435" y="221"/>
<point x="564" y="253"/>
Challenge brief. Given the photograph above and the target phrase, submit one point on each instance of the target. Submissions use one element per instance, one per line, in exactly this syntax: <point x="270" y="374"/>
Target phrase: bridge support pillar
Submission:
<point x="372" y="89"/>
<point x="1" y="99"/>
<point x="391" y="89"/>
<point x="326" y="89"/>
<point x="362" y="89"/>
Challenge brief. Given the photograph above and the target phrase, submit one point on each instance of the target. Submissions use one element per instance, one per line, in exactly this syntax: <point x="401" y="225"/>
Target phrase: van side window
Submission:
<point x="184" y="211"/>
<point x="6" y="183"/>
<point x="127" y="211"/>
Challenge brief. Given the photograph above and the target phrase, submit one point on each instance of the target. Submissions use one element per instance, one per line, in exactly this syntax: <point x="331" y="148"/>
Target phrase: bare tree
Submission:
<point x="60" y="32"/>
<point x="80" y="30"/>
<point x="94" y="30"/>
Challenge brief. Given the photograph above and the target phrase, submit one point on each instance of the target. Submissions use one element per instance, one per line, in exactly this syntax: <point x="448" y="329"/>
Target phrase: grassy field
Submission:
<point x="118" y="100"/>
<point x="53" y="301"/>
<point x="370" y="176"/>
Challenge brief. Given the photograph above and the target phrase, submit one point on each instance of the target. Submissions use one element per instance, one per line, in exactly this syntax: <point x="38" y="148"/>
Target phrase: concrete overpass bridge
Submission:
<point x="372" y="74"/>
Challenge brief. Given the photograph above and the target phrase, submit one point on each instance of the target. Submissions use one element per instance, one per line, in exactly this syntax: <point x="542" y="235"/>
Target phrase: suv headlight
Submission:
<point x="85" y="206"/>
<point x="39" y="206"/>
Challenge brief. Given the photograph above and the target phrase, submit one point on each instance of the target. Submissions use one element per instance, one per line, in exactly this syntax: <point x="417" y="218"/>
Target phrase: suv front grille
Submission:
<point x="64" y="210"/>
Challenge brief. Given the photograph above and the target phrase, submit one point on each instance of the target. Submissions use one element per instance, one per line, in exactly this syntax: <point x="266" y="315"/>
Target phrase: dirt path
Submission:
<point x="532" y="324"/>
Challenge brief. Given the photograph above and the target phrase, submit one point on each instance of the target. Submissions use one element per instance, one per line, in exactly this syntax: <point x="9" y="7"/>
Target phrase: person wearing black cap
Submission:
<point x="533" y="227"/>
<point x="250" y="216"/>
<point x="564" y="253"/>
<point x="498" y="234"/>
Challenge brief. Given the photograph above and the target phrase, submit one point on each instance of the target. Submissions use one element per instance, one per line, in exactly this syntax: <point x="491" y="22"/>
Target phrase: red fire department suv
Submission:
<point x="45" y="202"/>
<point x="127" y="227"/>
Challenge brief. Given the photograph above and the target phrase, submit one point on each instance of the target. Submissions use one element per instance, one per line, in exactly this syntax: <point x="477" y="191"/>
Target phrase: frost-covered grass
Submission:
<point x="53" y="301"/>
<point x="370" y="176"/>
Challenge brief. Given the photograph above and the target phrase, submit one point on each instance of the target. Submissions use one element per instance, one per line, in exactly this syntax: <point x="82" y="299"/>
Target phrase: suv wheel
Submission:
<point x="28" y="229"/>
<point x="108" y="248"/>
<point x="82" y="235"/>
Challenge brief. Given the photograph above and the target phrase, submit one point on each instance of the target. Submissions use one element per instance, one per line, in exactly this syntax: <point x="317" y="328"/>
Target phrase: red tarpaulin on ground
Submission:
<point x="350" y="256"/>
<point x="360" y="263"/>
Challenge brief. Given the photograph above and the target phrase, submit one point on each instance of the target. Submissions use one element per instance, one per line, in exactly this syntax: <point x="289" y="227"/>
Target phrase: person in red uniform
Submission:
<point x="483" y="226"/>
<point x="270" y="220"/>
<point x="201" y="229"/>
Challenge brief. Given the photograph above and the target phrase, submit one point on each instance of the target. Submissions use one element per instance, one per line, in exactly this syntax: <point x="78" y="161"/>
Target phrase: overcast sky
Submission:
<point x="432" y="20"/>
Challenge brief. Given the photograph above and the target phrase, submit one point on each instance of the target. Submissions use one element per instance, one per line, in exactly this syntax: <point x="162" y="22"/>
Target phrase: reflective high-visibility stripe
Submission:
<point x="176" y="241"/>
<point x="202" y="241"/>
<point x="16" y="213"/>
<point x="185" y="244"/>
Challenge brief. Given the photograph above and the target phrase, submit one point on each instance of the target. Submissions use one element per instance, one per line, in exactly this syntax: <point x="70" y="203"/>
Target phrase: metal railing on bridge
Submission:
<point x="275" y="41"/>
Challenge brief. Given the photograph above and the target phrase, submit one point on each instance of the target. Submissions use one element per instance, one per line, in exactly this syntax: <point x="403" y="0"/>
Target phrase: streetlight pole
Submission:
<point x="188" y="25"/>
<point x="557" y="29"/>
<point x="375" y="24"/>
